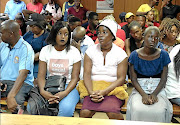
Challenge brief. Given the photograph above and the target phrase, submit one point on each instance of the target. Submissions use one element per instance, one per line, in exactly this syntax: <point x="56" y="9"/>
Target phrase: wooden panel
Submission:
<point x="119" y="7"/>
<point x="89" y="4"/>
<point x="133" y="5"/>
<point x="15" y="119"/>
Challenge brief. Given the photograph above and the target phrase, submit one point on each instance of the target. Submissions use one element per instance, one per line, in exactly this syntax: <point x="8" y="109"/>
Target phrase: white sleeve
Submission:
<point x="43" y="54"/>
<point x="90" y="51"/>
<point x="122" y="56"/>
<point x="76" y="55"/>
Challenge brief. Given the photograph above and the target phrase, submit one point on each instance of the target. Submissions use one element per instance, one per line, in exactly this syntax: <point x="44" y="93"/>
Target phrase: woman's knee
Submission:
<point x="66" y="110"/>
<point x="117" y="116"/>
<point x="86" y="113"/>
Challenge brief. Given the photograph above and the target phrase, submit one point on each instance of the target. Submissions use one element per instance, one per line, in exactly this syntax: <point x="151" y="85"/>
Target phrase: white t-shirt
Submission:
<point x="107" y="72"/>
<point x="172" y="85"/>
<point x="59" y="62"/>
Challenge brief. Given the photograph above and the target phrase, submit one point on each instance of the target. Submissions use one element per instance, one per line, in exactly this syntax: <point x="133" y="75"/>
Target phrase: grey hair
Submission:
<point x="151" y="28"/>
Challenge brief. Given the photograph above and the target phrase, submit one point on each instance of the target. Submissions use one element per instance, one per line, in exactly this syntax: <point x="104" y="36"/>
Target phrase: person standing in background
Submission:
<point x="78" y="11"/>
<point x="35" y="6"/>
<point x="54" y="9"/>
<point x="13" y="7"/>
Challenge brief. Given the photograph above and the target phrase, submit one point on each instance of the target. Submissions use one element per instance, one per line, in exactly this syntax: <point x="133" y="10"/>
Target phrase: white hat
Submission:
<point x="111" y="25"/>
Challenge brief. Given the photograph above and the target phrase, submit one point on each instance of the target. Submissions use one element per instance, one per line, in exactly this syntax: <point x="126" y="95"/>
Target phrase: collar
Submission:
<point x="70" y="4"/>
<point x="18" y="44"/>
<point x="99" y="47"/>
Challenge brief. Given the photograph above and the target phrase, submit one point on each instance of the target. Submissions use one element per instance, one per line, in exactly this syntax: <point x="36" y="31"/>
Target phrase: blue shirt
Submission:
<point x="149" y="68"/>
<point x="13" y="8"/>
<point x="20" y="57"/>
<point x="37" y="44"/>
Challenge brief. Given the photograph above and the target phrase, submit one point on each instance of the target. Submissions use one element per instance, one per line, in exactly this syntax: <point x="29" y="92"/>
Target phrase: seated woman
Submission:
<point x="173" y="80"/>
<point x="136" y="39"/>
<point x="148" y="70"/>
<point x="150" y="19"/>
<point x="105" y="67"/>
<point x="36" y="38"/>
<point x="59" y="58"/>
<point x="169" y="30"/>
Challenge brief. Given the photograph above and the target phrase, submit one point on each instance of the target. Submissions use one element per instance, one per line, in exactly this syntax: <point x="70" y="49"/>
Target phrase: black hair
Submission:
<point x="73" y="20"/>
<point x="91" y="15"/>
<point x="177" y="65"/>
<point x="134" y="23"/>
<point x="54" y="31"/>
<point x="141" y="16"/>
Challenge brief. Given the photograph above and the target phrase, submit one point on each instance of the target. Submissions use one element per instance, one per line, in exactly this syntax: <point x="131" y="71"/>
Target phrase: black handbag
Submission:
<point x="55" y="84"/>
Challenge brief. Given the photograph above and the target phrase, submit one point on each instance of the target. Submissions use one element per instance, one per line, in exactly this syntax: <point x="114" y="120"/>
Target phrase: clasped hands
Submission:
<point x="53" y="98"/>
<point x="97" y="96"/>
<point x="149" y="99"/>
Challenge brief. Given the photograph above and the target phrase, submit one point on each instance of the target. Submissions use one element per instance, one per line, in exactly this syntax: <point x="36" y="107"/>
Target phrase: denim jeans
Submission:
<point x="67" y="105"/>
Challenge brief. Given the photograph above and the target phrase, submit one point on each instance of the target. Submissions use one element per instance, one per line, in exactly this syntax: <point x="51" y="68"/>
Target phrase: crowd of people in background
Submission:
<point x="96" y="56"/>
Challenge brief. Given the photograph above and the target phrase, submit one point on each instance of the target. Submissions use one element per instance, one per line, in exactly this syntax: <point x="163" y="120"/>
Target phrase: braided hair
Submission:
<point x="166" y="26"/>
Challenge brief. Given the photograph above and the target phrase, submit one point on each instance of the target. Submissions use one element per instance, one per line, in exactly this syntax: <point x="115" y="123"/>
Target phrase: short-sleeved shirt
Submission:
<point x="20" y="57"/>
<point x="37" y="44"/>
<point x="107" y="72"/>
<point x="172" y="85"/>
<point x="85" y="44"/>
<point x="65" y="8"/>
<point x="12" y="8"/>
<point x="146" y="8"/>
<point x="54" y="9"/>
<point x="35" y="8"/>
<point x="81" y="14"/>
<point x="91" y="34"/>
<point x="149" y="68"/>
<point x="171" y="12"/>
<point x="60" y="62"/>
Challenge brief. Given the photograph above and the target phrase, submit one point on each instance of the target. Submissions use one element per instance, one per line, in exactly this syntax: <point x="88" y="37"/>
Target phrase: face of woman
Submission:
<point x="150" y="16"/>
<point x="105" y="36"/>
<point x="173" y="33"/>
<point x="136" y="32"/>
<point x="151" y="39"/>
<point x="62" y="36"/>
<point x="35" y="29"/>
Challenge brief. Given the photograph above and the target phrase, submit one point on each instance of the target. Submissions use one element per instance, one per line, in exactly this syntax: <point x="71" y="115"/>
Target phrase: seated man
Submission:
<point x="93" y="20"/>
<point x="81" y="41"/>
<point x="16" y="65"/>
<point x="13" y="7"/>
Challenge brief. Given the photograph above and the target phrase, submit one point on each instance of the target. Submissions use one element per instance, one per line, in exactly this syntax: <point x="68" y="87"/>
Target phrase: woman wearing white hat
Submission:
<point x="105" y="66"/>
